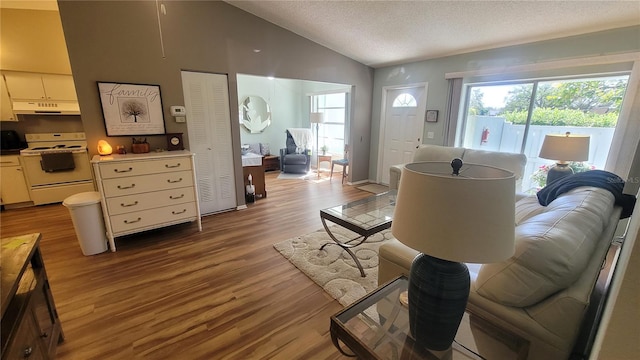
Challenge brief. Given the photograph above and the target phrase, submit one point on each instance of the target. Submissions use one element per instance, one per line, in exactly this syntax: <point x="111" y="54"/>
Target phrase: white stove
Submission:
<point x="55" y="143"/>
<point x="56" y="166"/>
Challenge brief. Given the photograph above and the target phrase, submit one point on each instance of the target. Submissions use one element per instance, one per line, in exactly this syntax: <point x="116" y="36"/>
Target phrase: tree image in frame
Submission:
<point x="134" y="110"/>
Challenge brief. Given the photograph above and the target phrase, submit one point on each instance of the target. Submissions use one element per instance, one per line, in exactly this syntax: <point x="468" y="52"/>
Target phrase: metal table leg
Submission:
<point x="346" y="245"/>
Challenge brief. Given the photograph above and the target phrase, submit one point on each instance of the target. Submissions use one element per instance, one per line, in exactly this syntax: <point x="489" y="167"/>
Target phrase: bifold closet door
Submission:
<point x="206" y="99"/>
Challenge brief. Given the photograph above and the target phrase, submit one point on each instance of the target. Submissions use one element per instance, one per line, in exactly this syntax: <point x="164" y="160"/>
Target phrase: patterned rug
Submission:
<point x="311" y="176"/>
<point x="332" y="268"/>
<point x="374" y="188"/>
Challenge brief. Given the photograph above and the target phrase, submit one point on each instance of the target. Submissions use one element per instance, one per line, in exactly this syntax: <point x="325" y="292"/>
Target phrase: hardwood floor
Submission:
<point x="176" y="293"/>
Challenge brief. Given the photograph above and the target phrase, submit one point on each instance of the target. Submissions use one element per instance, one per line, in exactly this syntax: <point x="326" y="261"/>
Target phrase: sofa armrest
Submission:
<point x="394" y="176"/>
<point x="520" y="196"/>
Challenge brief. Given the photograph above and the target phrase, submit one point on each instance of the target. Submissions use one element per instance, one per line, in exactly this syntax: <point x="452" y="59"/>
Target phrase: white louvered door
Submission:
<point x="206" y="99"/>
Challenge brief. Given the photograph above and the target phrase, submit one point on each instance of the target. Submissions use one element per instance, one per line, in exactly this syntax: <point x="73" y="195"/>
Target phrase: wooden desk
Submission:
<point x="30" y="324"/>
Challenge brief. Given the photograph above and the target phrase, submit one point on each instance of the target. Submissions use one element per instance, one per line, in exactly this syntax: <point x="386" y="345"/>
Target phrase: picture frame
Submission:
<point x="431" y="116"/>
<point x="131" y="109"/>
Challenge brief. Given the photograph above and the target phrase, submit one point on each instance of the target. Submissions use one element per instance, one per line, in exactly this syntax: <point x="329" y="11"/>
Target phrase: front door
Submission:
<point x="402" y="124"/>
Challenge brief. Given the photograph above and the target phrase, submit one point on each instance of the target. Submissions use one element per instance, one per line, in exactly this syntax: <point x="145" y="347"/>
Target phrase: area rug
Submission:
<point x="374" y="188"/>
<point x="310" y="176"/>
<point x="332" y="268"/>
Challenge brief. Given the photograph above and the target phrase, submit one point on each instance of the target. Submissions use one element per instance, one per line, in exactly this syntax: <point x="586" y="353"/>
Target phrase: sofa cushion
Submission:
<point x="509" y="161"/>
<point x="254" y="148"/>
<point x="295" y="159"/>
<point x="264" y="149"/>
<point x="437" y="153"/>
<point x="553" y="247"/>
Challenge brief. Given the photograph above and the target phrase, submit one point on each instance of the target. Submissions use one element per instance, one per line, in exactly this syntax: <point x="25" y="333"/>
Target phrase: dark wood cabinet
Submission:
<point x="271" y="162"/>
<point x="30" y="325"/>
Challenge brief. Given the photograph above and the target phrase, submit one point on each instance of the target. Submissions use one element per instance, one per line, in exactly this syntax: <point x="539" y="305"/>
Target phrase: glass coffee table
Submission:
<point x="365" y="217"/>
<point x="377" y="327"/>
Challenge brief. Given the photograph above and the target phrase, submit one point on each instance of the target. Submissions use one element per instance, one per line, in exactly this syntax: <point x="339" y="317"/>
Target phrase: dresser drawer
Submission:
<point x="146" y="183"/>
<point x="137" y="202"/>
<point x="150" y="218"/>
<point x="135" y="168"/>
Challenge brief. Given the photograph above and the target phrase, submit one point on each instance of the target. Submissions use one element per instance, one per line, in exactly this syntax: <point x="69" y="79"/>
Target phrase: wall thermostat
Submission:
<point x="178" y="111"/>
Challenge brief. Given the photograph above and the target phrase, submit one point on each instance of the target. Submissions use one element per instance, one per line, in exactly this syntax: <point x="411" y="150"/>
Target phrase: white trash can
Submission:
<point x="88" y="222"/>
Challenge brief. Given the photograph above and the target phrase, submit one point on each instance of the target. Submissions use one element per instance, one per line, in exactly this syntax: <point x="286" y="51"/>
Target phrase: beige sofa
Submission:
<point x="543" y="291"/>
<point x="509" y="161"/>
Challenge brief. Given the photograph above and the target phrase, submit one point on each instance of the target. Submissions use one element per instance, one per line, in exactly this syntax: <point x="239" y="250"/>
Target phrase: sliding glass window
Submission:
<point x="516" y="116"/>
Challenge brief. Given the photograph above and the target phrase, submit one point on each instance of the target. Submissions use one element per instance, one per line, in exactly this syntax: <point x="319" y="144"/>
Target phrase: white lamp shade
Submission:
<point x="466" y="218"/>
<point x="565" y="147"/>
<point x="316" y="118"/>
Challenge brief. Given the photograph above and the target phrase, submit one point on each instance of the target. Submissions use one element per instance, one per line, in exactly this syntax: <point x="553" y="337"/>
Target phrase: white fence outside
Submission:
<point x="496" y="134"/>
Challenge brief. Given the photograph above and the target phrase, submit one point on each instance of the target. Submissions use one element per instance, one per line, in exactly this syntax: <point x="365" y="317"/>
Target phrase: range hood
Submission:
<point x="44" y="107"/>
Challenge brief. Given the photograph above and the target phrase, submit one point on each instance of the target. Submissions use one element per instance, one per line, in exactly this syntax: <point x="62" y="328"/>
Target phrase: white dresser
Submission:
<point x="146" y="191"/>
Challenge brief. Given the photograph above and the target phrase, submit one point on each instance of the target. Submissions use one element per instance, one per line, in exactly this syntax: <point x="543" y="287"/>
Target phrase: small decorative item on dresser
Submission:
<point x="104" y="148"/>
<point x="174" y="141"/>
<point x="140" y="146"/>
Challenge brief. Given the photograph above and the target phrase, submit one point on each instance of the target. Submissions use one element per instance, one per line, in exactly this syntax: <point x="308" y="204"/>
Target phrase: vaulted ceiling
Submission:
<point x="381" y="33"/>
<point x="386" y="32"/>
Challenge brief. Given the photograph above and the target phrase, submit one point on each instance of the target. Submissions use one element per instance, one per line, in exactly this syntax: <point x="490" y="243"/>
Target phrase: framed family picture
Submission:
<point x="432" y="116"/>
<point x="131" y="109"/>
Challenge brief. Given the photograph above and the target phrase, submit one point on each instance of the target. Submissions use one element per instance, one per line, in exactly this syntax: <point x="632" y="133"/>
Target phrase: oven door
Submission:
<point x="38" y="177"/>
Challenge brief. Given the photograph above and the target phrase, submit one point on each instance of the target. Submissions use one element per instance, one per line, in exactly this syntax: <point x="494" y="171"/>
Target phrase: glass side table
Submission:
<point x="377" y="327"/>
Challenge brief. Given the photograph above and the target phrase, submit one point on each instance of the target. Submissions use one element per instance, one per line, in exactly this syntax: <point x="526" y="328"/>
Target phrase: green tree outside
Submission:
<point x="593" y="103"/>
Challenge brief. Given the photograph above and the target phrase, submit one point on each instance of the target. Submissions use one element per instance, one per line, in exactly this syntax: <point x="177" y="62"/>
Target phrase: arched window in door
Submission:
<point x="405" y="100"/>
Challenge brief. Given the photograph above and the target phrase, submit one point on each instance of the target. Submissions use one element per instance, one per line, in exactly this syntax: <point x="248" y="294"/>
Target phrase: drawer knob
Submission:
<point x="127" y="205"/>
<point x="176" y="197"/>
<point x="123" y="171"/>
<point x="171" y="166"/>
<point x="27" y="352"/>
<point x="174" y="181"/>
<point x="132" y="221"/>
<point x="126" y="187"/>
<point x="179" y="212"/>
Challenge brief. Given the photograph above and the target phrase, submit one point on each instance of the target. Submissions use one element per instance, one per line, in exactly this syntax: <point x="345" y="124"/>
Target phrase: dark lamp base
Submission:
<point x="558" y="172"/>
<point x="438" y="293"/>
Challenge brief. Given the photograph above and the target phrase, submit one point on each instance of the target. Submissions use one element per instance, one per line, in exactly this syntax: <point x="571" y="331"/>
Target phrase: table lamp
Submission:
<point x="564" y="148"/>
<point x="452" y="216"/>
<point x="317" y="118"/>
<point x="104" y="148"/>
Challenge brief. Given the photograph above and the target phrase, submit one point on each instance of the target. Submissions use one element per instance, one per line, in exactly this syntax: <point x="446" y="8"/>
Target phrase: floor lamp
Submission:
<point x="317" y="118"/>
<point x="452" y="216"/>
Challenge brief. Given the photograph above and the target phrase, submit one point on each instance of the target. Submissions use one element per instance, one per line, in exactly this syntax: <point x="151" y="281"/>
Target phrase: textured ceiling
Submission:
<point x="382" y="33"/>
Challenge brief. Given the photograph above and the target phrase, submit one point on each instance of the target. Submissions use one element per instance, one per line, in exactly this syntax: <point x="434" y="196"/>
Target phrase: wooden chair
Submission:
<point x="344" y="162"/>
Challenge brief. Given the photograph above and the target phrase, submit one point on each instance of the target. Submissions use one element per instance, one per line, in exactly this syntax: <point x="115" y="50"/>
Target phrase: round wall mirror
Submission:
<point x="255" y="114"/>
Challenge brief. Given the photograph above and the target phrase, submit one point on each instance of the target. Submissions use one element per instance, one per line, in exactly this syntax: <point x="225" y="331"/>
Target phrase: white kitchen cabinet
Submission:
<point x="32" y="86"/>
<point x="6" y="112"/>
<point x="146" y="191"/>
<point x="13" y="186"/>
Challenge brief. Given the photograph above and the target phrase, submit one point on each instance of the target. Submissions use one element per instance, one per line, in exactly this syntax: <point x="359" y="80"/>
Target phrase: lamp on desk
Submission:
<point x="564" y="148"/>
<point x="452" y="216"/>
<point x="317" y="118"/>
